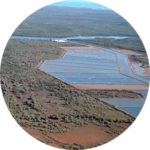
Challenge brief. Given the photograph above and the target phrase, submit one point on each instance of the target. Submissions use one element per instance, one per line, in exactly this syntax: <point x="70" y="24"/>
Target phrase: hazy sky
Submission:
<point x="79" y="3"/>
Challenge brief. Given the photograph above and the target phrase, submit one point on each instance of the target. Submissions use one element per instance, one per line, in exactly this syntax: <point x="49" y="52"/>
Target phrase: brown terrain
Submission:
<point x="111" y="86"/>
<point x="132" y="68"/>
<point x="123" y="50"/>
<point x="92" y="135"/>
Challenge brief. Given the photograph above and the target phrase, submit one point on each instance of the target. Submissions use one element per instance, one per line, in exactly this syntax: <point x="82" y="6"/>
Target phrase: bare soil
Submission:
<point x="111" y="86"/>
<point x="123" y="51"/>
<point x="92" y="135"/>
<point x="40" y="136"/>
<point x="132" y="68"/>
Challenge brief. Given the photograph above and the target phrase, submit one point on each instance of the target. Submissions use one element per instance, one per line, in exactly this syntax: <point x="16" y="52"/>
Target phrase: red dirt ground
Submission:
<point x="123" y="51"/>
<point x="39" y="135"/>
<point x="111" y="86"/>
<point x="64" y="55"/>
<point x="118" y="63"/>
<point x="82" y="48"/>
<point x="36" y="134"/>
<point x="85" y="135"/>
<point x="42" y="64"/>
<point x="92" y="135"/>
<point x="24" y="120"/>
<point x="132" y="68"/>
<point x="147" y="71"/>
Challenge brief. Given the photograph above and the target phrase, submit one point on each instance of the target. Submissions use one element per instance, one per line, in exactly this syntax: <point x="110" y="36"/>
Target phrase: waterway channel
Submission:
<point x="67" y="38"/>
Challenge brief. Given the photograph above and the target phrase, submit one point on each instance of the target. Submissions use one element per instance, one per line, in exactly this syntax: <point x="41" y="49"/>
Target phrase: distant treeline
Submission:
<point x="133" y="43"/>
<point x="53" y="21"/>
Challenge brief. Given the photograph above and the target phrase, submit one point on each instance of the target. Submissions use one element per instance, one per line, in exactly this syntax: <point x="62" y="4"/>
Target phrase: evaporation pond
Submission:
<point x="123" y="102"/>
<point x="134" y="111"/>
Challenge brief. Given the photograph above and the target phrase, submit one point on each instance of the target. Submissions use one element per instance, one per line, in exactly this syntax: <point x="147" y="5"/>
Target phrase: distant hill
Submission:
<point x="84" y="4"/>
<point x="54" y="21"/>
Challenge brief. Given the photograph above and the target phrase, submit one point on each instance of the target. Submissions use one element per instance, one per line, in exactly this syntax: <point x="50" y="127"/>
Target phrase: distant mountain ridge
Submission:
<point x="54" y="21"/>
<point x="93" y="5"/>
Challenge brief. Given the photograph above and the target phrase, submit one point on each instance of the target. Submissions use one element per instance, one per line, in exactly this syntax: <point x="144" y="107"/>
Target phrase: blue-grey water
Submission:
<point x="142" y="92"/>
<point x="140" y="71"/>
<point x="133" y="110"/>
<point x="132" y="106"/>
<point x="67" y="38"/>
<point x="125" y="102"/>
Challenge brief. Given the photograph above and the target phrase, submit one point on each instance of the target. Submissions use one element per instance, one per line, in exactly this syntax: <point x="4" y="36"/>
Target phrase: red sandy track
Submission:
<point x="118" y="64"/>
<point x="36" y="134"/>
<point x="123" y="51"/>
<point x="111" y="86"/>
<point x="132" y="68"/>
<point x="42" y="64"/>
<point x="62" y="57"/>
<point x="80" y="47"/>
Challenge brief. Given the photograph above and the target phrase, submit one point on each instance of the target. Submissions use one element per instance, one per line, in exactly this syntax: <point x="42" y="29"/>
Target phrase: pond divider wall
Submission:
<point x="118" y="64"/>
<point x="63" y="54"/>
<point x="39" y="64"/>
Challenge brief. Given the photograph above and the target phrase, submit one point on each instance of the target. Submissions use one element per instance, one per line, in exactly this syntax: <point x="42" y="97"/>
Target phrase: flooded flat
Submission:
<point x="132" y="106"/>
<point x="133" y="110"/>
<point x="92" y="68"/>
<point x="101" y="80"/>
<point x="125" y="102"/>
<point x="90" y="75"/>
<point x="79" y="65"/>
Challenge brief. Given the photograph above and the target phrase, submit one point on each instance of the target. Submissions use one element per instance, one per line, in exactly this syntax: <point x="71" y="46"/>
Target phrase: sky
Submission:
<point x="79" y="3"/>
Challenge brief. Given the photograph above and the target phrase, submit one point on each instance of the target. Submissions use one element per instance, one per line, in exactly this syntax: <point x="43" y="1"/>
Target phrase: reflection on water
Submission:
<point x="67" y="38"/>
<point x="134" y="111"/>
<point x="125" y="102"/>
<point x="132" y="106"/>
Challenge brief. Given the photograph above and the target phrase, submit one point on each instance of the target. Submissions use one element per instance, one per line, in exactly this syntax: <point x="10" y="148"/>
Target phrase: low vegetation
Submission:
<point x="52" y="21"/>
<point x="142" y="59"/>
<point x="44" y="104"/>
<point x="98" y="93"/>
<point x="132" y="43"/>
